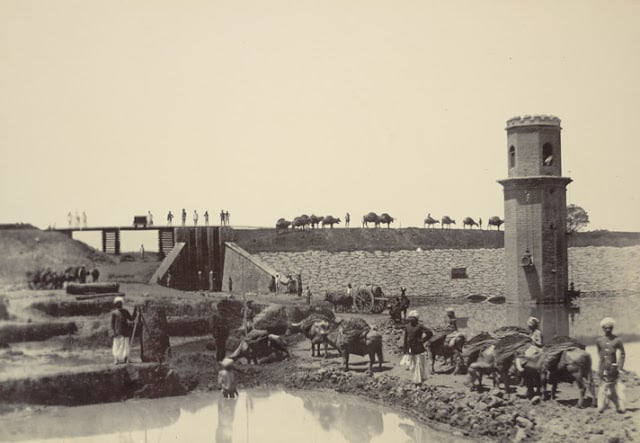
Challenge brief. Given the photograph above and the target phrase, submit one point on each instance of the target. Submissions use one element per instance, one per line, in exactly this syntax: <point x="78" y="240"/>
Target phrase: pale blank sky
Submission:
<point x="274" y="109"/>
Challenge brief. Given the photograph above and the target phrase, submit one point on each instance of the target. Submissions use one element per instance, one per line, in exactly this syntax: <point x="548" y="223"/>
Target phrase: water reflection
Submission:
<point x="255" y="416"/>
<point x="226" y="413"/>
<point x="356" y="421"/>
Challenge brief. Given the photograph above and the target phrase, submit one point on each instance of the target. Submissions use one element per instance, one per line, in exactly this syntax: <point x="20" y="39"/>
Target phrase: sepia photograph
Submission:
<point x="319" y="221"/>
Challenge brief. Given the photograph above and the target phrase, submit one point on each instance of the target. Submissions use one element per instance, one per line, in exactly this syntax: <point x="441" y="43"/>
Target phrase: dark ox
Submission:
<point x="339" y="299"/>
<point x="370" y="344"/>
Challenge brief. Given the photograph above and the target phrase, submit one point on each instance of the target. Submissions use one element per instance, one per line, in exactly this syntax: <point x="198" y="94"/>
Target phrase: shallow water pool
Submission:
<point x="255" y="416"/>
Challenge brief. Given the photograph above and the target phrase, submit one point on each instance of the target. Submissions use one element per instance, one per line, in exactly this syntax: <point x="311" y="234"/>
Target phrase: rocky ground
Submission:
<point x="444" y="399"/>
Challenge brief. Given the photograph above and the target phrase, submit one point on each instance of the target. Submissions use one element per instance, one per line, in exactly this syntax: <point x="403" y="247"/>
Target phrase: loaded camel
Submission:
<point x="429" y="221"/>
<point x="386" y="219"/>
<point x="330" y="220"/>
<point x="371" y="217"/>
<point x="468" y="221"/>
<point x="446" y="220"/>
<point x="282" y="225"/>
<point x="315" y="220"/>
<point x="301" y="221"/>
<point x="495" y="221"/>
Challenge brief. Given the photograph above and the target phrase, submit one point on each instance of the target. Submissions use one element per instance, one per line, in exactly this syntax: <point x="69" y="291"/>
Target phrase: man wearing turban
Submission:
<point x="611" y="388"/>
<point x="415" y="334"/>
<point x="536" y="344"/>
<point x="120" y="319"/>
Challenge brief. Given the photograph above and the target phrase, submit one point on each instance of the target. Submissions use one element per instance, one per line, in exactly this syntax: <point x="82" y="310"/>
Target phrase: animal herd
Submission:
<point x="492" y="354"/>
<point x="303" y="221"/>
<point x="313" y="221"/>
<point x="447" y="221"/>
<point x="45" y="278"/>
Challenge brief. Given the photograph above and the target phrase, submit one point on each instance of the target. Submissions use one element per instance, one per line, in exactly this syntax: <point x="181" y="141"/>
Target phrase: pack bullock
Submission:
<point x="356" y="337"/>
<point x="566" y="362"/>
<point x="339" y="299"/>
<point x="318" y="331"/>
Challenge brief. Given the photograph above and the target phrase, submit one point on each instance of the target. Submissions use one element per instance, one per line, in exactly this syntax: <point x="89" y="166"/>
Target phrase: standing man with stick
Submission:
<point x="120" y="319"/>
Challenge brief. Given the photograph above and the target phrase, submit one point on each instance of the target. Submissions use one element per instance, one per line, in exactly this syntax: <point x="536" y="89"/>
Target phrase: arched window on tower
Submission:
<point x="512" y="157"/>
<point x="547" y="154"/>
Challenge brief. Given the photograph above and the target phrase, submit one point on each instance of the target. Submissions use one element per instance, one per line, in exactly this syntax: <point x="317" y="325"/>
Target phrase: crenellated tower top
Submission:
<point x="533" y="120"/>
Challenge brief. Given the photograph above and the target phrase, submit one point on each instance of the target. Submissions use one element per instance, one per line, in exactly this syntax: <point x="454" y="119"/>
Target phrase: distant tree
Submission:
<point x="577" y="218"/>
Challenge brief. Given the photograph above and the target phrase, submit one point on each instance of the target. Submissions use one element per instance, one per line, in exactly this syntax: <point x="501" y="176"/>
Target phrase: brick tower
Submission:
<point x="535" y="213"/>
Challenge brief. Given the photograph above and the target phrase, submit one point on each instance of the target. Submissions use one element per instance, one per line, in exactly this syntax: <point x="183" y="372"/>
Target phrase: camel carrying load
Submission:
<point x="495" y="221"/>
<point x="446" y="220"/>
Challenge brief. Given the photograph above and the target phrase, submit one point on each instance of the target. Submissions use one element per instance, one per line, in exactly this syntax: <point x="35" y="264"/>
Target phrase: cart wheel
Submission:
<point x="364" y="301"/>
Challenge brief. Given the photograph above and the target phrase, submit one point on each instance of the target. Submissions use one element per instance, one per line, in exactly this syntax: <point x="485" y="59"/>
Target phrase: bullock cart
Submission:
<point x="370" y="299"/>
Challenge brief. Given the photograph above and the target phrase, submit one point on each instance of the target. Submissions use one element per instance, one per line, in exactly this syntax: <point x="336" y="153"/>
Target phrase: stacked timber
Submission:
<point x="92" y="288"/>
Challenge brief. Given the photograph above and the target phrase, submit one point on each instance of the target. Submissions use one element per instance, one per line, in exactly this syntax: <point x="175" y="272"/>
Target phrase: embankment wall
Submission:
<point x="428" y="273"/>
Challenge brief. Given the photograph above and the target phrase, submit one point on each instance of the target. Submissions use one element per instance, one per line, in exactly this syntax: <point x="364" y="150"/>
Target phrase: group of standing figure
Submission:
<point x="610" y="349"/>
<point x="224" y="217"/>
<point x="78" y="224"/>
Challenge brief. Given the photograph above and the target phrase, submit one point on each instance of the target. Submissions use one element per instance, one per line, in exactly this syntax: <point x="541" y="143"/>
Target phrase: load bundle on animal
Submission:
<point x="483" y="356"/>
<point x="508" y="347"/>
<point x="476" y="345"/>
<point x="553" y="350"/>
<point x="273" y="319"/>
<point x="305" y="325"/>
<point x="482" y="341"/>
<point x="355" y="336"/>
<point x="261" y="346"/>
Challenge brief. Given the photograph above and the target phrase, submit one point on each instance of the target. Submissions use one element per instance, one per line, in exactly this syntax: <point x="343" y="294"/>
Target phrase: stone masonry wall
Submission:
<point x="428" y="273"/>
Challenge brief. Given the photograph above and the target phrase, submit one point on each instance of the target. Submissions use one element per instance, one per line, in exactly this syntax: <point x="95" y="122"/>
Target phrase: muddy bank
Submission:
<point x="56" y="308"/>
<point x="35" y="331"/>
<point x="100" y="385"/>
<point x="443" y="399"/>
<point x="489" y="415"/>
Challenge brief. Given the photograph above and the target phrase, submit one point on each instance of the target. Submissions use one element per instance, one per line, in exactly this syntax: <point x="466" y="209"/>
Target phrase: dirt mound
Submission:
<point x="35" y="331"/>
<point x="26" y="250"/>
